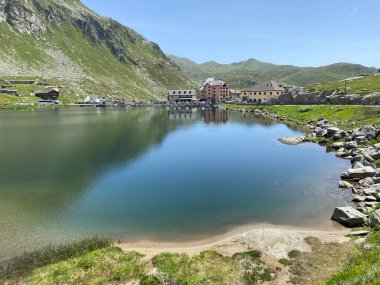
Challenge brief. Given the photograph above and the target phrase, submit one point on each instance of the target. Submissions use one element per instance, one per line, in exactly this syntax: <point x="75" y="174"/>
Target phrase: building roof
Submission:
<point x="44" y="91"/>
<point x="182" y="92"/>
<point x="217" y="83"/>
<point x="207" y="81"/>
<point x="269" y="85"/>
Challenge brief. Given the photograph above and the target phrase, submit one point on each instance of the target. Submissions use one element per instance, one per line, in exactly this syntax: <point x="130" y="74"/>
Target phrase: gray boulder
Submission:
<point x="374" y="219"/>
<point x="292" y="140"/>
<point x="345" y="184"/>
<point x="349" y="217"/>
<point x="361" y="173"/>
<point x="350" y="145"/>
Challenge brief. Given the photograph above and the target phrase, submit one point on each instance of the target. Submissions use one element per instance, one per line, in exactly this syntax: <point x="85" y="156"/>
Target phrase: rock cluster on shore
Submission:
<point x="363" y="177"/>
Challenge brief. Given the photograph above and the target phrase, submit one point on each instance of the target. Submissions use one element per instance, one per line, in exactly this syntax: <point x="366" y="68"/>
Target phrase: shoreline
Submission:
<point x="275" y="241"/>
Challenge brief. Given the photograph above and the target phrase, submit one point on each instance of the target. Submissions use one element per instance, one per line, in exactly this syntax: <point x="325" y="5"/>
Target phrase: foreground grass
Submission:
<point x="111" y="265"/>
<point x="364" y="268"/>
<point x="320" y="264"/>
<point x="20" y="266"/>
<point x="342" y="115"/>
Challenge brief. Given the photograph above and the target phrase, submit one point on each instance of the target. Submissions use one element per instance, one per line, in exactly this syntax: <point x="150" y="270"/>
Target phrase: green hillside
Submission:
<point x="246" y="73"/>
<point x="65" y="43"/>
<point x="362" y="85"/>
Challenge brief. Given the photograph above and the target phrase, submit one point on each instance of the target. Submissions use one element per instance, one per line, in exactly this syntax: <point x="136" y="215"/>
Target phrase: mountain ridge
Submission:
<point x="65" y="42"/>
<point x="250" y="71"/>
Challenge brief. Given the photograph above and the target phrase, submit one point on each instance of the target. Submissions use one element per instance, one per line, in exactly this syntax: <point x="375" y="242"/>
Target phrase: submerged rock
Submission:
<point x="345" y="184"/>
<point x="349" y="217"/>
<point x="292" y="140"/>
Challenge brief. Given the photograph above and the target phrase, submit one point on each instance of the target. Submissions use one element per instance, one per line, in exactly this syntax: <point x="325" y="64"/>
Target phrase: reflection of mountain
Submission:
<point x="58" y="153"/>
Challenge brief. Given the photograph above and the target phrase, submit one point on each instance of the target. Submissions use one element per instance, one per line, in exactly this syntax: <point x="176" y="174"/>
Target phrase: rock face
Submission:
<point x="374" y="219"/>
<point x="349" y="217"/>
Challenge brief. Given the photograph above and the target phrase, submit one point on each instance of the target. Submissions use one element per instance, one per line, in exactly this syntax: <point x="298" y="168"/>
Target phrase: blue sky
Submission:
<point x="299" y="32"/>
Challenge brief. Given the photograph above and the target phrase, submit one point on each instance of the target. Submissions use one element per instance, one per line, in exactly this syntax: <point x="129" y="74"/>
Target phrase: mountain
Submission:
<point x="65" y="43"/>
<point x="251" y="71"/>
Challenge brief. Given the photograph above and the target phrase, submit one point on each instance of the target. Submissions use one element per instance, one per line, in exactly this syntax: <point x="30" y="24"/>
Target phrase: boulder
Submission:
<point x="292" y="140"/>
<point x="345" y="184"/>
<point x="337" y="145"/>
<point x="332" y="131"/>
<point x="349" y="217"/>
<point x="361" y="173"/>
<point x="358" y="199"/>
<point x="350" y="145"/>
<point x="374" y="219"/>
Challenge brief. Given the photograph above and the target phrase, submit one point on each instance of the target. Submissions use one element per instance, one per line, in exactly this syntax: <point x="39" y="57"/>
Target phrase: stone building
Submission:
<point x="178" y="96"/>
<point x="264" y="91"/>
<point x="215" y="90"/>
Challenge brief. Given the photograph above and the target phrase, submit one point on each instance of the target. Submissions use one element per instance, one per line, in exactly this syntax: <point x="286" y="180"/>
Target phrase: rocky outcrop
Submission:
<point x="299" y="96"/>
<point x="349" y="217"/>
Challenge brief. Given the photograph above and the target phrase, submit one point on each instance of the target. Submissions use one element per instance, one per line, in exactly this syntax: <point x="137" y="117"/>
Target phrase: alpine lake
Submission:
<point x="155" y="173"/>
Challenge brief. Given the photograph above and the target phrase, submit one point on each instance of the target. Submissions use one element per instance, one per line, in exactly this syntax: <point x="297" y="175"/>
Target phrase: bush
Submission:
<point x="294" y="254"/>
<point x="285" y="261"/>
<point x="149" y="280"/>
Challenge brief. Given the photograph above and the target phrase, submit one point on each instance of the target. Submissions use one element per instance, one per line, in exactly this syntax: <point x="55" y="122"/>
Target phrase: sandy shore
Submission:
<point x="274" y="241"/>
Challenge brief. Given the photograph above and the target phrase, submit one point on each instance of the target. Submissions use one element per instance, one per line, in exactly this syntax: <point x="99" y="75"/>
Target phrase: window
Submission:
<point x="179" y="92"/>
<point x="265" y="93"/>
<point x="278" y="93"/>
<point x="271" y="93"/>
<point x="184" y="92"/>
<point x="173" y="92"/>
<point x="254" y="93"/>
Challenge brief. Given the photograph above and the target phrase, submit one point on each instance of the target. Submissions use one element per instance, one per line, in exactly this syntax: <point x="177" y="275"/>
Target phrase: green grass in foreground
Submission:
<point x="113" y="266"/>
<point x="342" y="115"/>
<point x="358" y="86"/>
<point x="364" y="268"/>
<point x="23" y="265"/>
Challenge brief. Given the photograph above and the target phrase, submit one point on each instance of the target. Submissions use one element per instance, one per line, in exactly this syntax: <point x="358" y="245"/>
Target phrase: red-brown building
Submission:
<point x="215" y="90"/>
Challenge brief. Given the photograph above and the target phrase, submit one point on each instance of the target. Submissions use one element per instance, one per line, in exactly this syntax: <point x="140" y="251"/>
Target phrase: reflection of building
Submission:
<point x="182" y="96"/>
<point x="264" y="91"/>
<point x="182" y="114"/>
<point x="215" y="116"/>
<point x="215" y="90"/>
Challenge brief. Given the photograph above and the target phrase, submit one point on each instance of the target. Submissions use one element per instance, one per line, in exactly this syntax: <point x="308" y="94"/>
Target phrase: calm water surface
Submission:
<point x="155" y="173"/>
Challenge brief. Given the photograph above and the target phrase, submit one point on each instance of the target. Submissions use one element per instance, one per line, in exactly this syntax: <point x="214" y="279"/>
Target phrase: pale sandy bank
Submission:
<point x="274" y="241"/>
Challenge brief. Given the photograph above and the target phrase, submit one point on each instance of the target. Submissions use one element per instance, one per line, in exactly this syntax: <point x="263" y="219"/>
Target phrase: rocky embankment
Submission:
<point x="363" y="178"/>
<point x="299" y="96"/>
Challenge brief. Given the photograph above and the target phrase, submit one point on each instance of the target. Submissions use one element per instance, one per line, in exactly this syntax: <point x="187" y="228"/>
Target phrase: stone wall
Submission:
<point x="301" y="97"/>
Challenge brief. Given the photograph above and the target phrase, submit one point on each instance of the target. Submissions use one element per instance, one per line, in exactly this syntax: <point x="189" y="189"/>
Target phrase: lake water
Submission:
<point x="155" y="173"/>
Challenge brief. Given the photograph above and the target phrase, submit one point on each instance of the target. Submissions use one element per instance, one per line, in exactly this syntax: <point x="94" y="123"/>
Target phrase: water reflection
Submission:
<point x="72" y="172"/>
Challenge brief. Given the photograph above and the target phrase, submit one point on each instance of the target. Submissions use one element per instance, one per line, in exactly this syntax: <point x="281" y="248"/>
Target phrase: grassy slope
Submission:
<point x="357" y="86"/>
<point x="147" y="75"/>
<point x="343" y="115"/>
